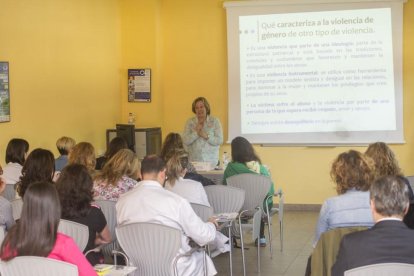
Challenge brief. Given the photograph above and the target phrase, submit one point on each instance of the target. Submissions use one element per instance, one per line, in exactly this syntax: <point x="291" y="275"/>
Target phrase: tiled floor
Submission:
<point x="299" y="229"/>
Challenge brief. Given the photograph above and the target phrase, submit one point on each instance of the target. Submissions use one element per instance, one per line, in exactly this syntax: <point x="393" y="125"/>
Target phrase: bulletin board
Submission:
<point x="139" y="85"/>
<point x="4" y="92"/>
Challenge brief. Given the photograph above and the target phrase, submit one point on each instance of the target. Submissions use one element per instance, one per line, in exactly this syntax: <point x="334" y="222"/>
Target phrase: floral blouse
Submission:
<point x="106" y="191"/>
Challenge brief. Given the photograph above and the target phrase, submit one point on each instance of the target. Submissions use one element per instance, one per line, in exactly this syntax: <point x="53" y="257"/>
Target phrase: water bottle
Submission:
<point x="225" y="160"/>
<point x="131" y="118"/>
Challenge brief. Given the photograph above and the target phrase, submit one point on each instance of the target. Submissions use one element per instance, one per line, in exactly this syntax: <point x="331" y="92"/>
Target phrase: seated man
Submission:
<point x="150" y="202"/>
<point x="389" y="240"/>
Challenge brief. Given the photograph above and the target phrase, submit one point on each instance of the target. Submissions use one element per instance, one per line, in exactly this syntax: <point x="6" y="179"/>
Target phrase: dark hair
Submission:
<point x="114" y="146"/>
<point x="172" y="143"/>
<point x="204" y="101"/>
<point x="74" y="187"/>
<point x="242" y="151"/>
<point x="152" y="164"/>
<point x="39" y="166"/>
<point x="16" y="151"/>
<point x="36" y="231"/>
<point x="390" y="195"/>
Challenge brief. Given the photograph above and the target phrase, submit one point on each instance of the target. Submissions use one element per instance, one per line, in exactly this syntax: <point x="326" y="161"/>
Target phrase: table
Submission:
<point x="119" y="270"/>
<point x="214" y="175"/>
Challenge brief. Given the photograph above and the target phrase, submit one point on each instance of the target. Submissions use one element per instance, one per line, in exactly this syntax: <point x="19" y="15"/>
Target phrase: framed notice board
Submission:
<point x="4" y="92"/>
<point x="139" y="85"/>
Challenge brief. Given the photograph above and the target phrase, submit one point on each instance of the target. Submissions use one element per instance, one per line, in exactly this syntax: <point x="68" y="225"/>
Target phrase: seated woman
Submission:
<point x="386" y="164"/>
<point x="16" y="153"/>
<point x="64" y="145"/>
<point x="191" y="190"/>
<point x="83" y="153"/>
<point x="173" y="143"/>
<point x="245" y="160"/>
<point x="353" y="173"/>
<point x="114" y="146"/>
<point x="39" y="166"/>
<point x="36" y="232"/>
<point x="118" y="176"/>
<point x="74" y="187"/>
<point x="6" y="214"/>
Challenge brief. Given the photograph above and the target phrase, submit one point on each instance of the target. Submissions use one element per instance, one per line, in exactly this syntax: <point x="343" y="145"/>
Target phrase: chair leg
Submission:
<point x="281" y="234"/>
<point x="242" y="247"/>
<point x="258" y="255"/>
<point x="269" y="230"/>
<point x="205" y="262"/>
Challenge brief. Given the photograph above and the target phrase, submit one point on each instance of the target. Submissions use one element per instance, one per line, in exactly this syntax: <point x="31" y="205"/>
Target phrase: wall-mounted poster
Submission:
<point x="4" y="92"/>
<point x="139" y="85"/>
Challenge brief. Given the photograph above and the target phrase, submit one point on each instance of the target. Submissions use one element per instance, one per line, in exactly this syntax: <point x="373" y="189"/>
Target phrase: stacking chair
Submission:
<point x="411" y="180"/>
<point x="385" y="269"/>
<point x="17" y="206"/>
<point x="271" y="212"/>
<point x="325" y="251"/>
<point x="152" y="248"/>
<point x="37" y="266"/>
<point x="78" y="232"/>
<point x="256" y="188"/>
<point x="203" y="211"/>
<point x="225" y="199"/>
<point x="109" y="211"/>
<point x="9" y="192"/>
<point x="2" y="234"/>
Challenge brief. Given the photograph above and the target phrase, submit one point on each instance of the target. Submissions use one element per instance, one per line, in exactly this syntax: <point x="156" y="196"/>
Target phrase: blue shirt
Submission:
<point x="61" y="162"/>
<point x="346" y="210"/>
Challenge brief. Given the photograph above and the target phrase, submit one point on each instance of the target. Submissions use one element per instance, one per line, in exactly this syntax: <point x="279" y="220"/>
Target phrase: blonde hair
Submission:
<point x="84" y="154"/>
<point x="123" y="163"/>
<point x="176" y="165"/>
<point x="65" y="144"/>
<point x="384" y="158"/>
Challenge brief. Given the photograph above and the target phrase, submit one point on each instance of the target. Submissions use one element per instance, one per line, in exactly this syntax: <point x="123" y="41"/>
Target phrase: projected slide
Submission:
<point x="325" y="71"/>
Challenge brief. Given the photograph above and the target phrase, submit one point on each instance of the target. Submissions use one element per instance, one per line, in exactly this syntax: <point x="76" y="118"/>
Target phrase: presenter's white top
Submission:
<point x="200" y="149"/>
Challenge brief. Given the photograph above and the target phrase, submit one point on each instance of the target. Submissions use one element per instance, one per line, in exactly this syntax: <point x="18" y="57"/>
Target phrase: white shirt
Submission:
<point x="189" y="189"/>
<point x="150" y="202"/>
<point x="12" y="173"/>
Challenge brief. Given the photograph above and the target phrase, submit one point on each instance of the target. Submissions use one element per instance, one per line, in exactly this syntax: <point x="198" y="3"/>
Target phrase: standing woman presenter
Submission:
<point x="203" y="134"/>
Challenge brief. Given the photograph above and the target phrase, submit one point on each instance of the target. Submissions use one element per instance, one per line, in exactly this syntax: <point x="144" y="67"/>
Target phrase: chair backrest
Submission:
<point x="17" y="206"/>
<point x="109" y="211"/>
<point x="151" y="247"/>
<point x="256" y="187"/>
<point x="78" y="232"/>
<point x="203" y="211"/>
<point x="2" y="234"/>
<point x="37" y="266"/>
<point x="325" y="251"/>
<point x="9" y="192"/>
<point x="385" y="269"/>
<point x="225" y="199"/>
<point x="411" y="180"/>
